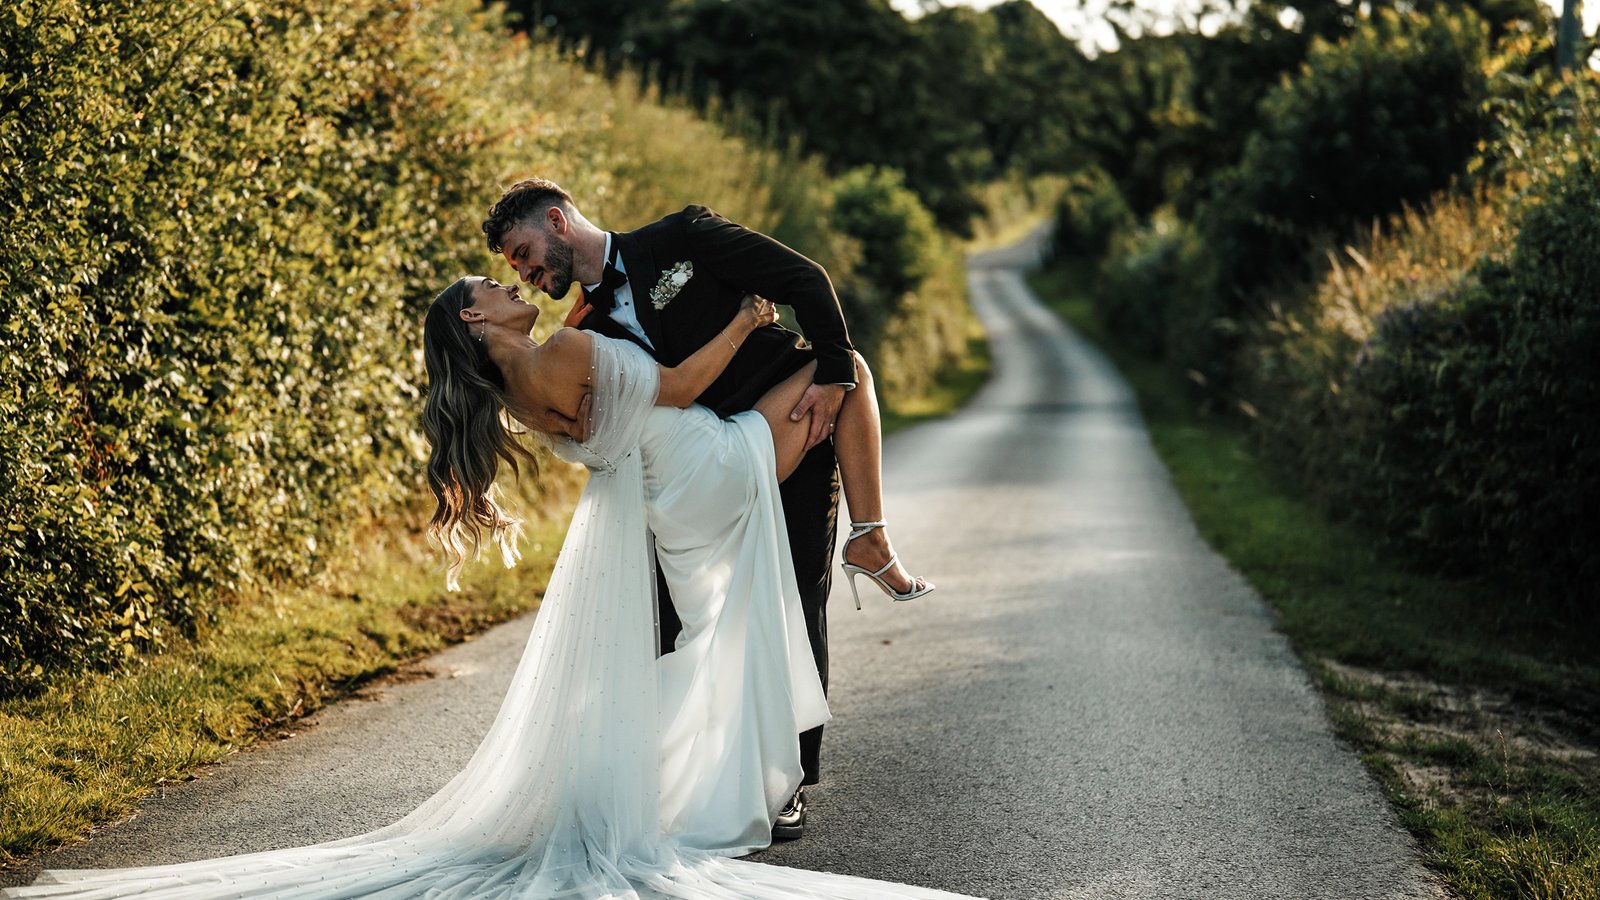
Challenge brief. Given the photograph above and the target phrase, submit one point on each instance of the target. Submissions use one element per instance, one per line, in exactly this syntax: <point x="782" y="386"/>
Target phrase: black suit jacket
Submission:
<point x="730" y="261"/>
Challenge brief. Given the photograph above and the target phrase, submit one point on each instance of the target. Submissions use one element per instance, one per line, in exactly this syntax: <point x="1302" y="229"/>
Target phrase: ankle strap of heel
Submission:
<point x="857" y="529"/>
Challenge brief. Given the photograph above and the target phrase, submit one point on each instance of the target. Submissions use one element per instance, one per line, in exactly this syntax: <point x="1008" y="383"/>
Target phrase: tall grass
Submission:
<point x="1302" y="356"/>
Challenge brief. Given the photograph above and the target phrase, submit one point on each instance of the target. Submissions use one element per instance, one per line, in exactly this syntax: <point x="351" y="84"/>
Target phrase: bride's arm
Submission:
<point x="687" y="380"/>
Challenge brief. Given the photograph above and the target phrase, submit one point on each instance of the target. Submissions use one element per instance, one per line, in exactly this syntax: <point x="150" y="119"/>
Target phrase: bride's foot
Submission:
<point x="867" y="552"/>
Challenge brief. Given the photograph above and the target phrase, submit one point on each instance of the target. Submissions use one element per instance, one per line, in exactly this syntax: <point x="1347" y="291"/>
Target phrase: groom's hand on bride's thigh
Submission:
<point x="823" y="402"/>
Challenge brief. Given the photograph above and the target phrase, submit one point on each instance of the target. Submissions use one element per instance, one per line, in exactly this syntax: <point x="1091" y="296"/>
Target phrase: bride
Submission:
<point x="607" y="773"/>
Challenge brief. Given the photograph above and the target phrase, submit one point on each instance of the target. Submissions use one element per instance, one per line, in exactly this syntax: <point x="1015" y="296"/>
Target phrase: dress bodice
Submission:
<point x="625" y="385"/>
<point x="569" y="450"/>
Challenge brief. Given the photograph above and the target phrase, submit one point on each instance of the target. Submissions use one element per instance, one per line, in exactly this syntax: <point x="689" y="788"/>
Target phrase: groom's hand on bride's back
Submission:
<point x="553" y="422"/>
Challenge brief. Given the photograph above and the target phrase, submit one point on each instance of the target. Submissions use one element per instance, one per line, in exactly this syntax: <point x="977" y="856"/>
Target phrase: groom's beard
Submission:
<point x="558" y="267"/>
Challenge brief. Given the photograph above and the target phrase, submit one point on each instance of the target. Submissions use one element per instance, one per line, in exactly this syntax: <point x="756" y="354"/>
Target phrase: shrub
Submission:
<point x="1508" y="403"/>
<point x="1297" y="374"/>
<point x="1155" y="294"/>
<point x="905" y="296"/>
<point x="900" y="247"/>
<point x="1446" y="390"/>
<point x="1090" y="212"/>
<point x="217" y="220"/>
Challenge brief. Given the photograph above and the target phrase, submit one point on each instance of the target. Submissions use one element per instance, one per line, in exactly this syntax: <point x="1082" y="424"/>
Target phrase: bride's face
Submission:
<point x="499" y="305"/>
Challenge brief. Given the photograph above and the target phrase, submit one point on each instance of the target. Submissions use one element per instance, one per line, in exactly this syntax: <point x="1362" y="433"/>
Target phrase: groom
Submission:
<point x="670" y="287"/>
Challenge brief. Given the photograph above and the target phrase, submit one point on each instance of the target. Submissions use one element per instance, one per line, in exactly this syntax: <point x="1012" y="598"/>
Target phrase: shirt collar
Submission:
<point x="620" y="267"/>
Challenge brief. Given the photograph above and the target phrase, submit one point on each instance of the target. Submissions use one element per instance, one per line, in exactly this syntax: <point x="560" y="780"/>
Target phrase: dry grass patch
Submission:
<point x="1502" y="790"/>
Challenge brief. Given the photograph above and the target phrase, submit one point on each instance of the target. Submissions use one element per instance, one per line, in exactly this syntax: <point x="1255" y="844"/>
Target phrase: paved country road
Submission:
<point x="1092" y="705"/>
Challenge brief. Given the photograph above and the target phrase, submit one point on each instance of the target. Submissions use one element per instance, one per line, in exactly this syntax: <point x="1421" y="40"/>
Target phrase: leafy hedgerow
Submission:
<point x="219" y="218"/>
<point x="1442" y="386"/>
<point x="1477" y="415"/>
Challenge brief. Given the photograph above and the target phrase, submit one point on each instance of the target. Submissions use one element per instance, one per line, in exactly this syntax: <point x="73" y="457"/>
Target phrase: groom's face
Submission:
<point x="542" y="257"/>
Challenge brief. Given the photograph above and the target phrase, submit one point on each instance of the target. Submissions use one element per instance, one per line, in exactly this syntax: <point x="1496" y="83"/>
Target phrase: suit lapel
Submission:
<point x="642" y="275"/>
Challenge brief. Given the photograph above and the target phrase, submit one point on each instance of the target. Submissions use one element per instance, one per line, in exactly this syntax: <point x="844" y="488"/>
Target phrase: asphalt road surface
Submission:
<point x="1091" y="705"/>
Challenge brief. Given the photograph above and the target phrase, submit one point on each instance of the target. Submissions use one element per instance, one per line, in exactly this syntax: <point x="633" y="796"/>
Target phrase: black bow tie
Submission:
<point x="604" y="296"/>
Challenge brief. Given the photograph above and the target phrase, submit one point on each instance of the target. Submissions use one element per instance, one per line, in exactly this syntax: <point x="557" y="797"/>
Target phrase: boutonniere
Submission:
<point x="671" y="282"/>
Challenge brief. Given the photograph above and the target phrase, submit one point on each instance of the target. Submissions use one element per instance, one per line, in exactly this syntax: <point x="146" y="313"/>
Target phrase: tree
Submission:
<point x="1368" y="124"/>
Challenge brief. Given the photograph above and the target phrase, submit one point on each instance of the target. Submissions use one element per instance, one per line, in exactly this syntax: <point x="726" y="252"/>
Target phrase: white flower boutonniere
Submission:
<point x="672" y="281"/>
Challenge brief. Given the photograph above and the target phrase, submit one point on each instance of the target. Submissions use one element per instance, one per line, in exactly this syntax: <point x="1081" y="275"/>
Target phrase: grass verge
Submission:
<point x="85" y="751"/>
<point x="1480" y="718"/>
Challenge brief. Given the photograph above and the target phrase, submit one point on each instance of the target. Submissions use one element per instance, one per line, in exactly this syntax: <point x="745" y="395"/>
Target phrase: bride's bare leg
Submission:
<point x="858" y="444"/>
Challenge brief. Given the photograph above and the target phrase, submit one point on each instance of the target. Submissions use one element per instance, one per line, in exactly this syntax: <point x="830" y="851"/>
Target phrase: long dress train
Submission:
<point x="606" y="773"/>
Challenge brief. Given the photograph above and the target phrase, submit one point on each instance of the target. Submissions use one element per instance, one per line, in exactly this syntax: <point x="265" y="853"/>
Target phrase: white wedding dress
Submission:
<point x="607" y="773"/>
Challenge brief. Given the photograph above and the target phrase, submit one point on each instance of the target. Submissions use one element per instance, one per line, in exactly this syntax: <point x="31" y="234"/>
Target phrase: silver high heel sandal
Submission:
<point x="857" y="529"/>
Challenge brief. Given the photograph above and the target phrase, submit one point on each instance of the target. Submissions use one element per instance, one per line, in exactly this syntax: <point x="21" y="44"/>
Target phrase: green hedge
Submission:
<point x="1155" y="293"/>
<point x="1443" y="383"/>
<point x="219" y="222"/>
<point x="1475" y="416"/>
<point x="223" y="224"/>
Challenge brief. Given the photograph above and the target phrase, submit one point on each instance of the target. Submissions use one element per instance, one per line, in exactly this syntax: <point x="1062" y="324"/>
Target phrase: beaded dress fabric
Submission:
<point x="607" y="773"/>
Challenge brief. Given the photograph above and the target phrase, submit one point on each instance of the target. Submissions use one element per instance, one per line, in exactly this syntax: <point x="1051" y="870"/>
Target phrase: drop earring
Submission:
<point x="483" y="332"/>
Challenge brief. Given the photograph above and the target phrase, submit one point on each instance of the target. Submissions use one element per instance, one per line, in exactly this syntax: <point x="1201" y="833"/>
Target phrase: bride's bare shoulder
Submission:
<point x="571" y="339"/>
<point x="571" y="349"/>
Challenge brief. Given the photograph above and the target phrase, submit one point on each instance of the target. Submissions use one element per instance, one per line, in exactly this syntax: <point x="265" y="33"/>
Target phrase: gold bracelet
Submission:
<point x="728" y="339"/>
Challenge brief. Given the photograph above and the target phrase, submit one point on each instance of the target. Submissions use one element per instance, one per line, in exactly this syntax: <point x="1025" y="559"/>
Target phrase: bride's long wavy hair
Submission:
<point x="464" y="419"/>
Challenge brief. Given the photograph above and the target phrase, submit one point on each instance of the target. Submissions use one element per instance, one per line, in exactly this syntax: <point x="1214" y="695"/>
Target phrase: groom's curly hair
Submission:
<point x="524" y="201"/>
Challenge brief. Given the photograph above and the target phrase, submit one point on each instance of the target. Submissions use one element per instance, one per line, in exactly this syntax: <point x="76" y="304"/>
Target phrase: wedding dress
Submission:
<point x="607" y="773"/>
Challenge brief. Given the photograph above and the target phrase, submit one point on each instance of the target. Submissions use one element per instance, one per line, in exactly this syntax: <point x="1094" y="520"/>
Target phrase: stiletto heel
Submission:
<point x="857" y="529"/>
<point x="851" y="571"/>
